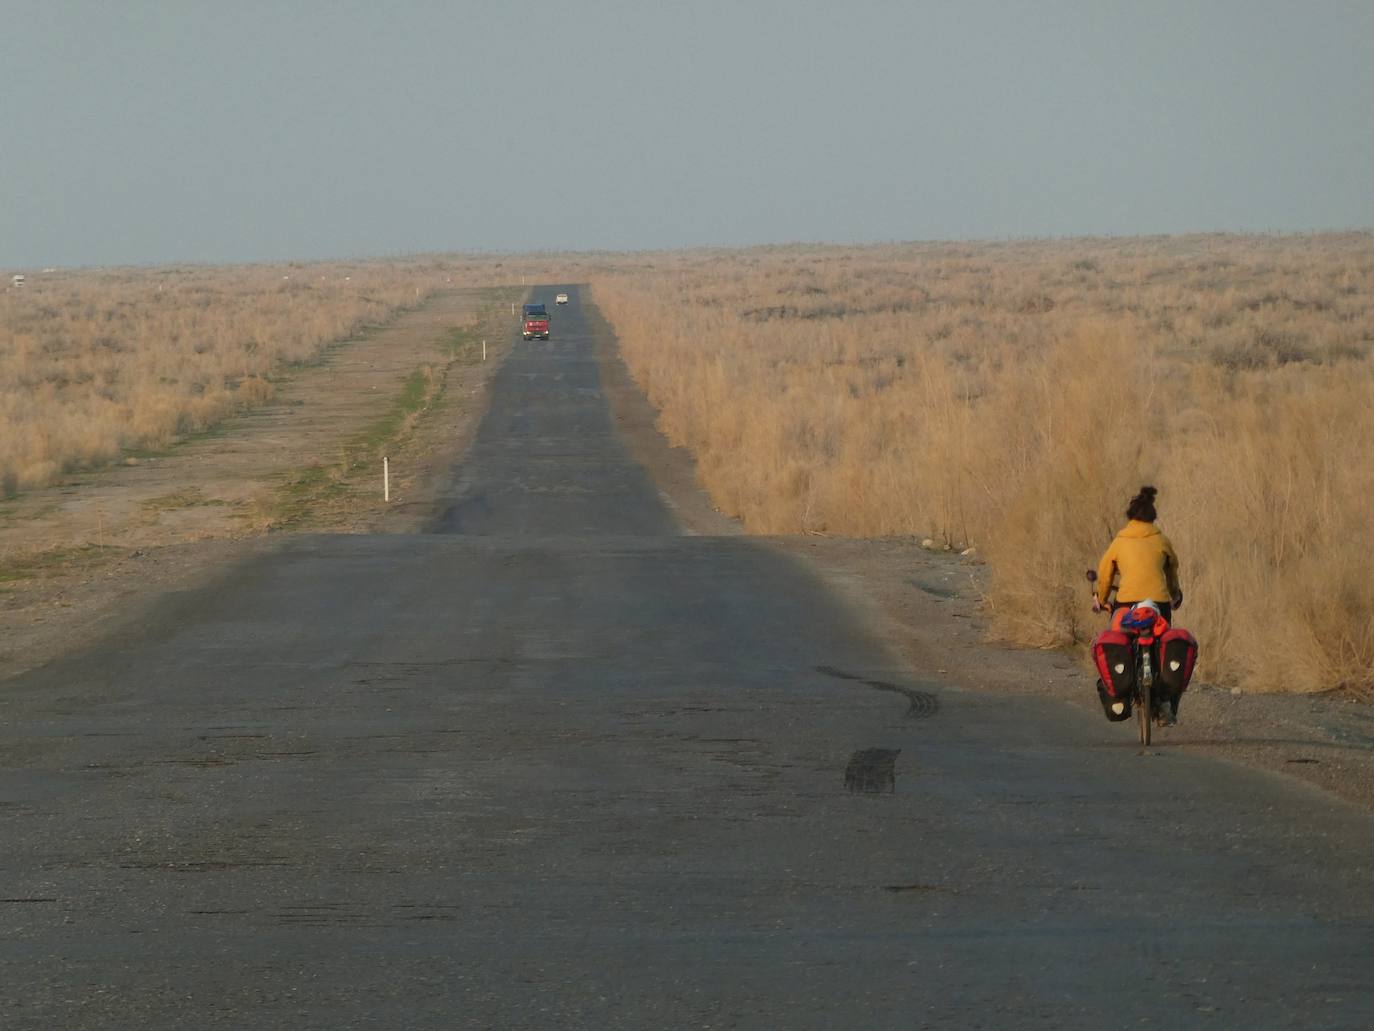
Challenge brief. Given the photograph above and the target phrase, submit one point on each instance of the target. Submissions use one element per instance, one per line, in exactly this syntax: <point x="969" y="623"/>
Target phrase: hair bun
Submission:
<point x="1142" y="506"/>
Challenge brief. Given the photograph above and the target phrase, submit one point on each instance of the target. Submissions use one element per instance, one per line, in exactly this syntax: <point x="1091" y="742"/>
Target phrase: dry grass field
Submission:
<point x="1012" y="396"/>
<point x="96" y="363"/>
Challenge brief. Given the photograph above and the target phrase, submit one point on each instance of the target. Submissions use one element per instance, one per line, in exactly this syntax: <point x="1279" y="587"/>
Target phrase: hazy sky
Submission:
<point x="136" y="132"/>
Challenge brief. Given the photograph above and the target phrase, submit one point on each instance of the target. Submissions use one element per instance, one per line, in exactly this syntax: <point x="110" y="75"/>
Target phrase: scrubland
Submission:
<point x="1011" y="397"/>
<point x="96" y="363"/>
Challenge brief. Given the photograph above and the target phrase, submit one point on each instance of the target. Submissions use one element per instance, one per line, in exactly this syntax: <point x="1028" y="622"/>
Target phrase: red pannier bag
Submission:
<point x="1177" y="657"/>
<point x="1112" y="653"/>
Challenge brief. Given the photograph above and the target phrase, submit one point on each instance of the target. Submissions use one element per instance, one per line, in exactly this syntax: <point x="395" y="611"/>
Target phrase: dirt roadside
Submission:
<point x="928" y="606"/>
<point x="79" y="559"/>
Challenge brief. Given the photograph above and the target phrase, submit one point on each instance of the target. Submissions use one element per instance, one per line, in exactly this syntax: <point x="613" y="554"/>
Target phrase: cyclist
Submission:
<point x="1147" y="567"/>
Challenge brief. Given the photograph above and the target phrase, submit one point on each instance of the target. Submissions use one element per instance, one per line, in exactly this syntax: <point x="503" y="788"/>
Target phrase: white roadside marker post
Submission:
<point x="386" y="478"/>
<point x="484" y="350"/>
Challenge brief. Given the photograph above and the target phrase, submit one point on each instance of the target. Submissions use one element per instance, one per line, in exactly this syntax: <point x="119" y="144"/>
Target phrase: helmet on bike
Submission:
<point x="1139" y="618"/>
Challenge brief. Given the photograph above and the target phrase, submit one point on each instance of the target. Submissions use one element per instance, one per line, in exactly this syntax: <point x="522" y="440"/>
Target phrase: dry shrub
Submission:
<point x="1272" y="486"/>
<point x="254" y="390"/>
<point x="1014" y="396"/>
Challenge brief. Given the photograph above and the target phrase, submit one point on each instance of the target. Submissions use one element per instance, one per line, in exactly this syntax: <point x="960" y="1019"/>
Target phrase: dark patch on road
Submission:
<point x="921" y="704"/>
<point x="939" y="591"/>
<point x="872" y="771"/>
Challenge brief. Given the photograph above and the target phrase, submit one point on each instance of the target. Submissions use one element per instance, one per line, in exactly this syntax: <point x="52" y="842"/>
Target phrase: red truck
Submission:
<point x="536" y="327"/>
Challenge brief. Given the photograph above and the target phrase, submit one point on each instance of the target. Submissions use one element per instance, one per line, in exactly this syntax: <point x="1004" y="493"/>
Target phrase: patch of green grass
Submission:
<point x="11" y="512"/>
<point x="299" y="498"/>
<point x="191" y="497"/>
<point x="463" y="344"/>
<point x="411" y="400"/>
<point x="56" y="560"/>
<point x="310" y="492"/>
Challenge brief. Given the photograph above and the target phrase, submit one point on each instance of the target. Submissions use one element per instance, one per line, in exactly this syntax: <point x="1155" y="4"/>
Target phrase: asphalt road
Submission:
<point x="558" y="764"/>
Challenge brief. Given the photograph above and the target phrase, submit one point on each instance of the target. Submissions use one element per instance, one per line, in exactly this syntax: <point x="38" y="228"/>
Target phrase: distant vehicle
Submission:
<point x="536" y="326"/>
<point x="561" y="299"/>
<point x="535" y="309"/>
<point x="17" y="281"/>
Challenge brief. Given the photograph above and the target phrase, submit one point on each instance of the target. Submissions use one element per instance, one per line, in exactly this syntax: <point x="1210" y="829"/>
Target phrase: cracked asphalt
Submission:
<point x="560" y="764"/>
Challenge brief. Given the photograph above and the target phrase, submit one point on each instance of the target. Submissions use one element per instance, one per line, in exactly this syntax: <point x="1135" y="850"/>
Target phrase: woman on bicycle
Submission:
<point x="1143" y="559"/>
<point x="1144" y="566"/>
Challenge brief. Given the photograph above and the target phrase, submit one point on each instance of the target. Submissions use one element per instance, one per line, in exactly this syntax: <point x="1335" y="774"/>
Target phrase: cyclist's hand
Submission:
<point x="1177" y="599"/>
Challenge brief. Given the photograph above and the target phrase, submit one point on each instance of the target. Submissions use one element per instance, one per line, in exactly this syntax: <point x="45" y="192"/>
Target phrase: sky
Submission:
<point x="149" y="132"/>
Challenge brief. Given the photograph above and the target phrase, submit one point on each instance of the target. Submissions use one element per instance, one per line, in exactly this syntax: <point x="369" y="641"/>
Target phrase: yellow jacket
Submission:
<point x="1146" y="562"/>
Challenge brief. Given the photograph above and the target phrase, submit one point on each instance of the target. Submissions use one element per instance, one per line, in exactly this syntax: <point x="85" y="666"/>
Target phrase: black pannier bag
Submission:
<point x="1177" y="657"/>
<point x="1115" y="665"/>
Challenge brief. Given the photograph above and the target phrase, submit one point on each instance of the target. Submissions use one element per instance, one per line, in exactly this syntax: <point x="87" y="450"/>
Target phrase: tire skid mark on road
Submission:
<point x="921" y="704"/>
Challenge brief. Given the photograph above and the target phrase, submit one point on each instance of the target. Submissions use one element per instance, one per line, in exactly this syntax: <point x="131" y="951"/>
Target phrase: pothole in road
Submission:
<point x="921" y="705"/>
<point x="941" y="591"/>
<point x="872" y="771"/>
